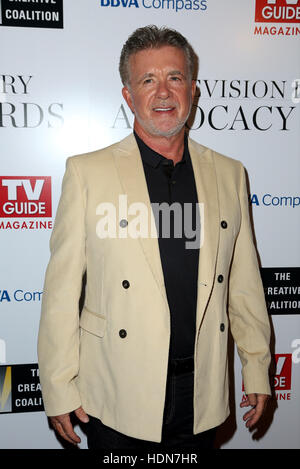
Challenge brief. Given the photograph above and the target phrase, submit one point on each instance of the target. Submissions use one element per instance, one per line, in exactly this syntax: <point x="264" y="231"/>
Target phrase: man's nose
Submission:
<point x="163" y="91"/>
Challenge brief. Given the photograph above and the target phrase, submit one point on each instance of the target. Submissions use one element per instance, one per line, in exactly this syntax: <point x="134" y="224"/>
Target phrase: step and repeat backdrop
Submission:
<point x="60" y="95"/>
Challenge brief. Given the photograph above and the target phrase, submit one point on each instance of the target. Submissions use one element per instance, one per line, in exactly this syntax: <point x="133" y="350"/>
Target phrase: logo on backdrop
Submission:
<point x="25" y="197"/>
<point x="236" y="105"/>
<point x="40" y="14"/>
<point x="5" y="389"/>
<point x="282" y="289"/>
<point x="25" y="115"/>
<point x="271" y="200"/>
<point x="281" y="376"/>
<point x="277" y="11"/>
<point x="20" y="295"/>
<point x="20" y="389"/>
<point x="175" y="5"/>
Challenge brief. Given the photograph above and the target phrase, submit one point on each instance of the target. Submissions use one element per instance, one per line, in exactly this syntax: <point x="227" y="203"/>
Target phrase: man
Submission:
<point x="145" y="364"/>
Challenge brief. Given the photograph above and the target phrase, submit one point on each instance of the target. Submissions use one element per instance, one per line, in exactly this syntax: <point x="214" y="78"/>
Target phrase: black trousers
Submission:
<point x="177" y="431"/>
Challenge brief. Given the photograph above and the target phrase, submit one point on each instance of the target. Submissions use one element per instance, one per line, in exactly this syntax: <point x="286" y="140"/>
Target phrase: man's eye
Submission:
<point x="173" y="78"/>
<point x="148" y="80"/>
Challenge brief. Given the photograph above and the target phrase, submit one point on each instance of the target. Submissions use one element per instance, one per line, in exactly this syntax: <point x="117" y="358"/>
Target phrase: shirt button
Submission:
<point x="123" y="223"/>
<point x="220" y="278"/>
<point x="125" y="284"/>
<point x="224" y="224"/>
<point x="173" y="182"/>
<point x="122" y="333"/>
<point x="222" y="327"/>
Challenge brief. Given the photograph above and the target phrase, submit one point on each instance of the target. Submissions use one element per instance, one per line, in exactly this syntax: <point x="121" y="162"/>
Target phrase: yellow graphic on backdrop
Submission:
<point x="5" y="389"/>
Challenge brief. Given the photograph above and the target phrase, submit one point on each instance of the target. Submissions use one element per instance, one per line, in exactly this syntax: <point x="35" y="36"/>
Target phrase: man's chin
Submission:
<point x="169" y="133"/>
<point x="162" y="131"/>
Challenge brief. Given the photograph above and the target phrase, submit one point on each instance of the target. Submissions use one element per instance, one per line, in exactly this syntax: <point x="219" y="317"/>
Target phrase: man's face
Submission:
<point x="160" y="93"/>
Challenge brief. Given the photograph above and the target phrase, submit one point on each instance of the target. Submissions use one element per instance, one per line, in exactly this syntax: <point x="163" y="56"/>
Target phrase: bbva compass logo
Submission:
<point x="175" y="5"/>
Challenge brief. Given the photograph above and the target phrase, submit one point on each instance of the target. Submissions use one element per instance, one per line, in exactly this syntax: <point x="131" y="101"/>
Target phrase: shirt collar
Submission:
<point x="154" y="159"/>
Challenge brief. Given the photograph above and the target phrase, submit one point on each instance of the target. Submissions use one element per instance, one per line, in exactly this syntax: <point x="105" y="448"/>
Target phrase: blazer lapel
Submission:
<point x="131" y="173"/>
<point x="206" y="185"/>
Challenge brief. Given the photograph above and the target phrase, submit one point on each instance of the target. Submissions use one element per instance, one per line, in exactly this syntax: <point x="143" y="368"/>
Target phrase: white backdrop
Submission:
<point x="60" y="95"/>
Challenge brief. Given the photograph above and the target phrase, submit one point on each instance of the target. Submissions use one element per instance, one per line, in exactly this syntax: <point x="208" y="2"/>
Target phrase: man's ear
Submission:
<point x="193" y="89"/>
<point x="127" y="96"/>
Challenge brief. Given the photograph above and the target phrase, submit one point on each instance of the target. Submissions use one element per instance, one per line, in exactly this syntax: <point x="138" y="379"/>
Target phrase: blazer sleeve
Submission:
<point x="249" y="320"/>
<point x="58" y="340"/>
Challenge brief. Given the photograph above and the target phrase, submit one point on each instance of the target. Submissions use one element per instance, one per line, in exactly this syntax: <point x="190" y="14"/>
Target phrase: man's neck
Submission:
<point x="169" y="147"/>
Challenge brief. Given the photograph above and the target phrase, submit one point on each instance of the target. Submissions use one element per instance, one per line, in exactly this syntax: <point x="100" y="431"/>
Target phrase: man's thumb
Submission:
<point x="81" y="415"/>
<point x="252" y="399"/>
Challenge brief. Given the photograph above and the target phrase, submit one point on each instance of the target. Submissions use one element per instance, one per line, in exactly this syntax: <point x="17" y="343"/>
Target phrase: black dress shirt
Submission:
<point x="169" y="184"/>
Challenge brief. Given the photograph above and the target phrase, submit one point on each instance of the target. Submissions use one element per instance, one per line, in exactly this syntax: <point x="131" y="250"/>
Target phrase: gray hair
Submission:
<point x="152" y="37"/>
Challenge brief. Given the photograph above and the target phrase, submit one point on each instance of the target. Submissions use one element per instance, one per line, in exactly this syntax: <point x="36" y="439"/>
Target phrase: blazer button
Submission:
<point x="125" y="284"/>
<point x="122" y="333"/>
<point x="222" y="327"/>
<point x="123" y="223"/>
<point x="220" y="278"/>
<point x="224" y="224"/>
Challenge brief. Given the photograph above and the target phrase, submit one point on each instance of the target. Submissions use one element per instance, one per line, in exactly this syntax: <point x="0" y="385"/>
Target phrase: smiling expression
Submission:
<point x="161" y="92"/>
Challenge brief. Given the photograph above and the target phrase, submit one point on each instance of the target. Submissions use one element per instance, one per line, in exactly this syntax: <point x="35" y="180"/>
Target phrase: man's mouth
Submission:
<point x="163" y="109"/>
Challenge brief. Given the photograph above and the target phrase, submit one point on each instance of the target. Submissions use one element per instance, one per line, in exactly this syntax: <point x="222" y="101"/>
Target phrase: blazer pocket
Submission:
<point x="92" y="322"/>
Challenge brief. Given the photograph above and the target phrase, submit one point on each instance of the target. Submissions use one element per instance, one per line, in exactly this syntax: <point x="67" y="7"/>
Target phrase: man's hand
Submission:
<point x="63" y="426"/>
<point x="258" y="403"/>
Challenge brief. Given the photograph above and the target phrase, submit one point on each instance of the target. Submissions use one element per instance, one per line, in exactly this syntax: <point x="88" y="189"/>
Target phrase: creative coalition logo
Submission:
<point x="25" y="197"/>
<point x="32" y="14"/>
<point x="175" y="5"/>
<point x="20" y="389"/>
<point x="282" y="289"/>
<point x="277" y="11"/>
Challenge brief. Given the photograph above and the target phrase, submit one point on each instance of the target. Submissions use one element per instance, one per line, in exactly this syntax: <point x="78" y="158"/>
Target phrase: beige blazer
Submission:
<point x="86" y="361"/>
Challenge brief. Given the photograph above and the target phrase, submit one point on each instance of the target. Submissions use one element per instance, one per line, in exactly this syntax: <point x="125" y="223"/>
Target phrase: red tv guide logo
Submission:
<point x="25" y="196"/>
<point x="277" y="11"/>
<point x="283" y="375"/>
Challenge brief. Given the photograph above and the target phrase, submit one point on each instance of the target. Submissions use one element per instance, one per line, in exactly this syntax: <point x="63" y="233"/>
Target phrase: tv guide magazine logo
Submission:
<point x="25" y="197"/>
<point x="277" y="17"/>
